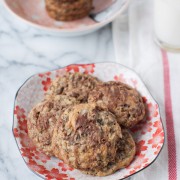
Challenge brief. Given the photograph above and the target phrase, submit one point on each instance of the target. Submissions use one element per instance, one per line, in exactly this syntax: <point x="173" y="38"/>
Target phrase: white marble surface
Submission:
<point x="25" y="51"/>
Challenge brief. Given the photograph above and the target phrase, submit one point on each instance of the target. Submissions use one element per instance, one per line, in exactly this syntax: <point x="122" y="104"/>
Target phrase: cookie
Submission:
<point x="86" y="136"/>
<point x="126" y="150"/>
<point x="42" y="120"/>
<point x="120" y="99"/>
<point x="76" y="85"/>
<point x="68" y="10"/>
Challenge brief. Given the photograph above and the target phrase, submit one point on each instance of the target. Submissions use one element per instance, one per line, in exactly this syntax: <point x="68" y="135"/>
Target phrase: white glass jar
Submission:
<point x="167" y="23"/>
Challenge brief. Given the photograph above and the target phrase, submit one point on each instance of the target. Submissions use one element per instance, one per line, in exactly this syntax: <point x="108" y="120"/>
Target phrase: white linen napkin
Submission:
<point x="135" y="48"/>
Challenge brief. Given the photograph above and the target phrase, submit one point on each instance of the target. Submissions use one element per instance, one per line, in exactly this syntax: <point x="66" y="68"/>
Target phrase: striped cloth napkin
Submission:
<point x="135" y="48"/>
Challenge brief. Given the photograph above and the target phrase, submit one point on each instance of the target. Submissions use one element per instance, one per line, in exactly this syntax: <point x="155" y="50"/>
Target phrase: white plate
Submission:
<point x="148" y="134"/>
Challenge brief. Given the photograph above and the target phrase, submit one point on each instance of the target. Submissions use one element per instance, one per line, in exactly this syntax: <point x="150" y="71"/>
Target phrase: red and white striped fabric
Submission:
<point x="135" y="48"/>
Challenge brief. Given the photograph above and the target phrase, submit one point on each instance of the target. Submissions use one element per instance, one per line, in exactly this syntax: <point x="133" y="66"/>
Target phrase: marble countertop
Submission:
<point x="25" y="51"/>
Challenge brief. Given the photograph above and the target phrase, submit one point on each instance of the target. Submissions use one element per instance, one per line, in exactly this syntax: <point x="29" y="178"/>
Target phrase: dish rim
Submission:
<point x="91" y="64"/>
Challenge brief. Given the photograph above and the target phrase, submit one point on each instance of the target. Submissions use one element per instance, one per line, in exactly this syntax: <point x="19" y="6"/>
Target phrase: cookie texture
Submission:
<point x="42" y="120"/>
<point x="76" y="85"/>
<point x="68" y="10"/>
<point x="126" y="150"/>
<point x="120" y="99"/>
<point x="86" y="137"/>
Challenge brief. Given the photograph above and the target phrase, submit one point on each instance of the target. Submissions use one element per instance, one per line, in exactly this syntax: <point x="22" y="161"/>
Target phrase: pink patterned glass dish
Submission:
<point x="148" y="135"/>
<point x="34" y="13"/>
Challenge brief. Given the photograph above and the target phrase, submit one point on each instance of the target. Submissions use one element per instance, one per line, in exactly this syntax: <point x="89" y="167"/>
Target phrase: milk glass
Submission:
<point x="167" y="24"/>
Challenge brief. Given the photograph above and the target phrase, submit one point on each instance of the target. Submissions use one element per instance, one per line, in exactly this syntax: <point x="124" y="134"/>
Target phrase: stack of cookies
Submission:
<point x="85" y="123"/>
<point x="68" y="10"/>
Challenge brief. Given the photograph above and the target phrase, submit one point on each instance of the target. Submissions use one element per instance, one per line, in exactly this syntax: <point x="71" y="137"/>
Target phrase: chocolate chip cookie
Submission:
<point x="124" y="155"/>
<point x="120" y="99"/>
<point x="86" y="137"/>
<point x="68" y="10"/>
<point x="76" y="85"/>
<point x="42" y="120"/>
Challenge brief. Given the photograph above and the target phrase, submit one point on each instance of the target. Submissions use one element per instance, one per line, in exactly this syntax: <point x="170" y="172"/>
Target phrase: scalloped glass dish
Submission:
<point x="34" y="13"/>
<point x="148" y="135"/>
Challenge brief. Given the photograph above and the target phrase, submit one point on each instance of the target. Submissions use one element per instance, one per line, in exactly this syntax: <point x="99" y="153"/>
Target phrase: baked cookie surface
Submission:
<point x="68" y="10"/>
<point x="120" y="99"/>
<point x="126" y="150"/>
<point x="76" y="85"/>
<point x="86" y="137"/>
<point x="42" y="120"/>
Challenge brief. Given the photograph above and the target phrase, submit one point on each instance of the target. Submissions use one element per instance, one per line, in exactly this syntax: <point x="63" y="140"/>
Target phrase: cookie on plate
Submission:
<point x="86" y="137"/>
<point x="120" y="99"/>
<point x="126" y="150"/>
<point x="42" y="120"/>
<point x="76" y="85"/>
<point x="68" y="10"/>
